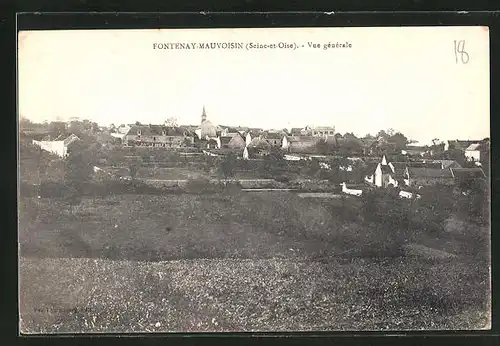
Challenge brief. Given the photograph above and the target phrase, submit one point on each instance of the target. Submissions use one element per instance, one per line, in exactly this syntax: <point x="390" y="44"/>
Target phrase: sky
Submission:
<point x="407" y="79"/>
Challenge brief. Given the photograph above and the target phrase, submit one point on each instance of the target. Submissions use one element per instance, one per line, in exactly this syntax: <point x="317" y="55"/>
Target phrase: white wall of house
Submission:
<point x="284" y="143"/>
<point x="198" y="133"/>
<point x="248" y="139"/>
<point x="55" y="147"/>
<point x="245" y="153"/>
<point x="123" y="129"/>
<point x="378" y="176"/>
<point x="473" y="155"/>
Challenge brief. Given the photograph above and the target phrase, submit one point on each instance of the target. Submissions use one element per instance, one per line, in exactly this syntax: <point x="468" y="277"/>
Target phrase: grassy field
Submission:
<point x="235" y="262"/>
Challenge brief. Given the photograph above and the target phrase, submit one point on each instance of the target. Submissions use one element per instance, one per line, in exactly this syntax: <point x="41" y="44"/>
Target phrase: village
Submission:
<point x="262" y="211"/>
<point x="384" y="160"/>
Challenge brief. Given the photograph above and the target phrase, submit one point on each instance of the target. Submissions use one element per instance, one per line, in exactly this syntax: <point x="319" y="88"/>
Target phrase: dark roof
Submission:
<point x="386" y="169"/>
<point x="449" y="163"/>
<point x="303" y="139"/>
<point x="274" y="135"/>
<point x="429" y="173"/>
<point x="416" y="147"/>
<point x="434" y="165"/>
<point x="370" y="168"/>
<point x="468" y="173"/>
<point x="156" y="130"/>
<point x="259" y="143"/>
<point x="458" y="144"/>
<point x="225" y="139"/>
<point x="399" y="165"/>
<point x="399" y="172"/>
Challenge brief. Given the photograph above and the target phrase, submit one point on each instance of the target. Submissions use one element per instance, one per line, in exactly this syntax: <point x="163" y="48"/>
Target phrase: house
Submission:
<point x="323" y="131"/>
<point x="465" y="176"/>
<point x="425" y="164"/>
<point x="459" y="144"/>
<point x="275" y="139"/>
<point x="210" y="143"/>
<point x="473" y="152"/>
<point x="445" y="164"/>
<point x="236" y="141"/>
<point x="248" y="138"/>
<point x="416" y="176"/>
<point x="413" y="150"/>
<point x="158" y="136"/>
<point x="259" y="143"/>
<point x="123" y="129"/>
<point x="385" y="174"/>
<point x="302" y="143"/>
<point x="285" y="142"/>
<point x="60" y="146"/>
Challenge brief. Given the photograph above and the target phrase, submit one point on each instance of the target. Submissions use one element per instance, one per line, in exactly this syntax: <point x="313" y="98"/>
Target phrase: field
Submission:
<point x="236" y="261"/>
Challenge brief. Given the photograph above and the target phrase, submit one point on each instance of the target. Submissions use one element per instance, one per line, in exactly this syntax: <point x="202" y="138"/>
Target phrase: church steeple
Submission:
<point x="203" y="115"/>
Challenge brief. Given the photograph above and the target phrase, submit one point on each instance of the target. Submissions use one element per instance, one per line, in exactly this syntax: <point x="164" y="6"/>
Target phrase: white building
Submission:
<point x="285" y="144"/>
<point x="248" y="139"/>
<point x="58" y="146"/>
<point x="473" y="153"/>
<point x="123" y="129"/>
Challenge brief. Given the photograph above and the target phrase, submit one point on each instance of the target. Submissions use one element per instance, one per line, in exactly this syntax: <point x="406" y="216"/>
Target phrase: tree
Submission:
<point x="78" y="171"/>
<point x="137" y="123"/>
<point x="134" y="165"/>
<point x="399" y="140"/>
<point x="57" y="128"/>
<point x="452" y="154"/>
<point x="382" y="134"/>
<point x="322" y="147"/>
<point x="227" y="166"/>
<point x="479" y="202"/>
<point x="349" y="145"/>
<point x="24" y="123"/>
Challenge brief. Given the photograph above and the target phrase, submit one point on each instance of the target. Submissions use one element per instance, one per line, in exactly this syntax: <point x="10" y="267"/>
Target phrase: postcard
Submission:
<point x="254" y="180"/>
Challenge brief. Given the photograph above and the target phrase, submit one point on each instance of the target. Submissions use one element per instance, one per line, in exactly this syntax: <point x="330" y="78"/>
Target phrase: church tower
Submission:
<point x="203" y="115"/>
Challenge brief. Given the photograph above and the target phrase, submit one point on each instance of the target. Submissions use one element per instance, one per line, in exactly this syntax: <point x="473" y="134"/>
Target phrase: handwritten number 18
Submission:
<point x="460" y="54"/>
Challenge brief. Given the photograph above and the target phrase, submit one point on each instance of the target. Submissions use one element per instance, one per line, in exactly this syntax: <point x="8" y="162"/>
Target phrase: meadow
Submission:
<point x="236" y="261"/>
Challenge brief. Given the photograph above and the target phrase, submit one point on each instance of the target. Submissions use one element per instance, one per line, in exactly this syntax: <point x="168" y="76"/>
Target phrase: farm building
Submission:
<point x="236" y="141"/>
<point x="415" y="176"/>
<point x="275" y="139"/>
<point x="158" y="136"/>
<point x="465" y="176"/>
<point x="473" y="152"/>
<point x="59" y="146"/>
<point x="302" y="144"/>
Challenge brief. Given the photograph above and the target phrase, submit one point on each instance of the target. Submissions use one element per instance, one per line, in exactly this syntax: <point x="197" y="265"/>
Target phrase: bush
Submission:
<point x="200" y="186"/>
<point x="28" y="190"/>
<point x="51" y="189"/>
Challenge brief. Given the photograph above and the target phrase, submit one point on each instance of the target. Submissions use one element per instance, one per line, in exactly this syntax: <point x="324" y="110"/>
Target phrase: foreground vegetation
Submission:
<point x="101" y="255"/>
<point x="242" y="261"/>
<point x="279" y="294"/>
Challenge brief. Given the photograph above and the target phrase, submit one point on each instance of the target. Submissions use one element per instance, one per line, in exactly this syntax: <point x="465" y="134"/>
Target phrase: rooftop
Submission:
<point x="429" y="173"/>
<point x="157" y="130"/>
<point x="468" y="173"/>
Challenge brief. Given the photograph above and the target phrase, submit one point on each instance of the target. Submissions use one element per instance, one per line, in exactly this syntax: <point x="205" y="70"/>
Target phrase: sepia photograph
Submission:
<point x="254" y="180"/>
